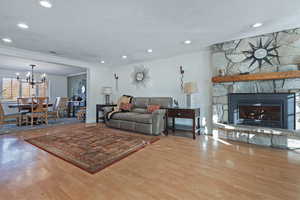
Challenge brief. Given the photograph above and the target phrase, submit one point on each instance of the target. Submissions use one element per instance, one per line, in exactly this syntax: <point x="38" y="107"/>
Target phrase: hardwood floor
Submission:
<point x="172" y="168"/>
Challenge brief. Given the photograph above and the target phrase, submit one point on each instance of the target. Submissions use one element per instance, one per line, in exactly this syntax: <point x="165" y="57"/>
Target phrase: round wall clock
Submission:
<point x="140" y="76"/>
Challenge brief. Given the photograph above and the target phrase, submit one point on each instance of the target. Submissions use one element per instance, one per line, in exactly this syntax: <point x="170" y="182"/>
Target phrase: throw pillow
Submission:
<point x="126" y="106"/>
<point x="152" y="108"/>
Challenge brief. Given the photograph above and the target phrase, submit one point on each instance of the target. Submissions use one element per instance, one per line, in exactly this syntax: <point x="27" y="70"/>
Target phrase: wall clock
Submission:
<point x="262" y="53"/>
<point x="140" y="76"/>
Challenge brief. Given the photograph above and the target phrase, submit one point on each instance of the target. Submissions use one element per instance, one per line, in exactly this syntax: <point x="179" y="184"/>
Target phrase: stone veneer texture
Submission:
<point x="231" y="57"/>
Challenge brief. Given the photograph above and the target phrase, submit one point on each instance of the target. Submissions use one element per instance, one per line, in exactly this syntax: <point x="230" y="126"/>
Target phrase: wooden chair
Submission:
<point x="81" y="114"/>
<point x="24" y="100"/>
<point x="21" y="101"/>
<point x="60" y="106"/>
<point x="7" y="118"/>
<point x="39" y="110"/>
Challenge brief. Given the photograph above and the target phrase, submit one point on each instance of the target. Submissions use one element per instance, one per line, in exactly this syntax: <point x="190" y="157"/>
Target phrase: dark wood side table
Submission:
<point x="99" y="108"/>
<point x="184" y="113"/>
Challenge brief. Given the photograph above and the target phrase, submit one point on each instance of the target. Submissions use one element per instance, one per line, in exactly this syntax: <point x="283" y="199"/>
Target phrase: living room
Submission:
<point x="161" y="100"/>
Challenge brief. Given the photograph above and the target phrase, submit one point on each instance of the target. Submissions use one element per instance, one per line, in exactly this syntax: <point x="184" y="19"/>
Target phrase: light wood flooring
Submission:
<point x="175" y="168"/>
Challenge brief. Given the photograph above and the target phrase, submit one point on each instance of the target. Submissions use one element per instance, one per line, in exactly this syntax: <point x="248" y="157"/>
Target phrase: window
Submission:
<point x="10" y="89"/>
<point x="40" y="90"/>
<point x="27" y="90"/>
<point x="43" y="90"/>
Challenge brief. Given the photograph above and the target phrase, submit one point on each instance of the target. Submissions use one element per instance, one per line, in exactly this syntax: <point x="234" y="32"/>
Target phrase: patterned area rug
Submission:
<point x="94" y="148"/>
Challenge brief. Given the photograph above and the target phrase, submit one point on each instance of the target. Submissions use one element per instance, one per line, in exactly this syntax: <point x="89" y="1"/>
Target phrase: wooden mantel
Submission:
<point x="258" y="76"/>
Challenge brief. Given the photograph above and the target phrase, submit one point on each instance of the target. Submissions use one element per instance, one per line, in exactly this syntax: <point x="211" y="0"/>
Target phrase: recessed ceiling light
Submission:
<point x="124" y="57"/>
<point x="188" y="42"/>
<point x="45" y="3"/>
<point x="149" y="50"/>
<point x="7" y="40"/>
<point x="256" y="25"/>
<point x="23" y="25"/>
<point x="53" y="52"/>
<point x="102" y="61"/>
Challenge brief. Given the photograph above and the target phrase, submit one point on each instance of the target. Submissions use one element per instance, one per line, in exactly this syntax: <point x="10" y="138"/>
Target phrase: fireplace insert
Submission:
<point x="274" y="110"/>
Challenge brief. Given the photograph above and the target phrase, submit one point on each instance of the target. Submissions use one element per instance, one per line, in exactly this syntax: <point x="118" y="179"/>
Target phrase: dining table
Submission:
<point x="26" y="106"/>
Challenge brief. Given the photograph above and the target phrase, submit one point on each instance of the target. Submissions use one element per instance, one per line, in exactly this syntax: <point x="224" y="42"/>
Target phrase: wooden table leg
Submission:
<point x="73" y="110"/>
<point x="173" y="124"/>
<point x="166" y="124"/>
<point x="198" y="125"/>
<point x="194" y="127"/>
<point x="97" y="115"/>
<point x="69" y="109"/>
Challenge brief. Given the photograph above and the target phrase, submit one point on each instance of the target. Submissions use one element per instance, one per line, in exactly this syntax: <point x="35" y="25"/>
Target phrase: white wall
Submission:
<point x="58" y="86"/>
<point x="165" y="80"/>
<point x="97" y="78"/>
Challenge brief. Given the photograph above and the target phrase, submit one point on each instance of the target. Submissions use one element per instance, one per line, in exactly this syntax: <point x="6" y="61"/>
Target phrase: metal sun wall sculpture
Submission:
<point x="140" y="76"/>
<point x="262" y="53"/>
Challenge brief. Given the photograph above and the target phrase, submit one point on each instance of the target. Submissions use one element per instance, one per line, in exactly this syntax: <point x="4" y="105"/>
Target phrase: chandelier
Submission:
<point x="30" y="79"/>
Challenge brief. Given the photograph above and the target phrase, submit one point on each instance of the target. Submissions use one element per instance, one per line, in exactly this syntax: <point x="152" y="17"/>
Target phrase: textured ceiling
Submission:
<point x="92" y="30"/>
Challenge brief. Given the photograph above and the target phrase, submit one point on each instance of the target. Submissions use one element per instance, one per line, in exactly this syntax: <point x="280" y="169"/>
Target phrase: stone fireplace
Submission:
<point x="231" y="58"/>
<point x="259" y="103"/>
<point x="272" y="110"/>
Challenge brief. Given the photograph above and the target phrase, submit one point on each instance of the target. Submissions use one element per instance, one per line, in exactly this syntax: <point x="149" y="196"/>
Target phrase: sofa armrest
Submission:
<point x="158" y="121"/>
<point x="159" y="112"/>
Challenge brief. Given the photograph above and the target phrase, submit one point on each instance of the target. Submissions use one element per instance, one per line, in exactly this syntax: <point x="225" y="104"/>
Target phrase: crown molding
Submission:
<point x="37" y="56"/>
<point x="77" y="74"/>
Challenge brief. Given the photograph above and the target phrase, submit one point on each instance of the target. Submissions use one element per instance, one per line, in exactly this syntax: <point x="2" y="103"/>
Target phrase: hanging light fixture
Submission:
<point x="30" y="79"/>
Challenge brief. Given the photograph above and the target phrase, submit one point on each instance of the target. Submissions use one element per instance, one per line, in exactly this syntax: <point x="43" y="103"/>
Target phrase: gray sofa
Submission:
<point x="138" y="119"/>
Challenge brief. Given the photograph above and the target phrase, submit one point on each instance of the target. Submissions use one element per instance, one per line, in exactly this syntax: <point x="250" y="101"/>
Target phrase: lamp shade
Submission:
<point x="107" y="90"/>
<point x="190" y="88"/>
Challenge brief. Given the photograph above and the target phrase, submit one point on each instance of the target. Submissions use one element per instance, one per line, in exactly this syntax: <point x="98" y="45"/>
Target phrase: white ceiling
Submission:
<point x="22" y="65"/>
<point x="92" y="30"/>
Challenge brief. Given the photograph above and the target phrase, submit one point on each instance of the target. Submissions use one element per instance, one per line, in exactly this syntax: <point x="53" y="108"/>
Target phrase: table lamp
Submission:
<point x="107" y="91"/>
<point x="190" y="88"/>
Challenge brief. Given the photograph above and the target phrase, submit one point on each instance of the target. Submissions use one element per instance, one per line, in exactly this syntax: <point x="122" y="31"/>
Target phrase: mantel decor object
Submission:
<point x="190" y="88"/>
<point x="107" y="91"/>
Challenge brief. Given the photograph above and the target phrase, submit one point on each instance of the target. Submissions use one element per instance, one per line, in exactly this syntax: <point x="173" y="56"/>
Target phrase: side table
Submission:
<point x="99" y="108"/>
<point x="184" y="113"/>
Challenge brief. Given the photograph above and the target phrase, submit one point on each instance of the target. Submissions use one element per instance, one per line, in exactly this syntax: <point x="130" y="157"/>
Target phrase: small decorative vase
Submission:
<point x="221" y="72"/>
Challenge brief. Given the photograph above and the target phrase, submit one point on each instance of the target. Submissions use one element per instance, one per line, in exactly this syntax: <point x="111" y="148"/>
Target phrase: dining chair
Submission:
<point x="39" y="110"/>
<point x="16" y="118"/>
<point x="22" y="101"/>
<point x="81" y="114"/>
<point x="60" y="107"/>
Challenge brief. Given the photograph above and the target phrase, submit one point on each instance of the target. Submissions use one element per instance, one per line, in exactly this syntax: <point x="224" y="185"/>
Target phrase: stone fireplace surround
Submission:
<point x="232" y="59"/>
<point x="221" y="108"/>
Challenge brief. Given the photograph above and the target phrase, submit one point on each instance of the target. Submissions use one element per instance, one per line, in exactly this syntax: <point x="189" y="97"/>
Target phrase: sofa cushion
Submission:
<point x="124" y="116"/>
<point x="164" y="102"/>
<point x="152" y="108"/>
<point x="133" y="117"/>
<point x="140" y="102"/>
<point x="140" y="110"/>
<point x="126" y="106"/>
<point x="143" y="118"/>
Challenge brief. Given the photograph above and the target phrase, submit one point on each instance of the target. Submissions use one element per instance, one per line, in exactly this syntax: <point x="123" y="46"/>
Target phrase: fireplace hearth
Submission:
<point x="274" y="110"/>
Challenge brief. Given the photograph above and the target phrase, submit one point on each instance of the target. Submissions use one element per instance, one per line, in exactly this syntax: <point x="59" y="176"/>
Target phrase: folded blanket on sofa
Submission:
<point x="123" y="99"/>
